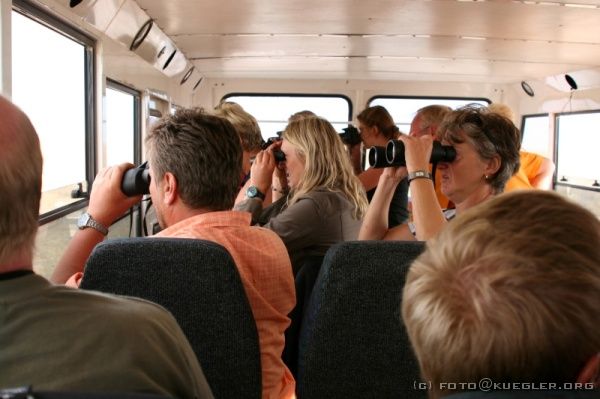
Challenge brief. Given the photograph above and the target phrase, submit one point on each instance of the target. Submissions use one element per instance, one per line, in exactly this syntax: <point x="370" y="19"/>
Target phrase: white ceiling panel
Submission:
<point x="474" y="40"/>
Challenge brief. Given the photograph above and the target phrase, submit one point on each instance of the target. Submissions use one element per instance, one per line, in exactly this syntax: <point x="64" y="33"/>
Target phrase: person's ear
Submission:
<point x="169" y="188"/>
<point x="493" y="165"/>
<point x="591" y="371"/>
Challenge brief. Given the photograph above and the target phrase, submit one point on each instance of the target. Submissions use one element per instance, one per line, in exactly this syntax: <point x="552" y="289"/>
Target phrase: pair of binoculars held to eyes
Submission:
<point x="393" y="154"/>
<point x="136" y="181"/>
<point x="278" y="154"/>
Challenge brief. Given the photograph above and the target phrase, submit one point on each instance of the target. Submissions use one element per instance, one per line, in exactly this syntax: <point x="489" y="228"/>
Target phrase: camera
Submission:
<point x="393" y="154"/>
<point x="351" y="136"/>
<point x="277" y="153"/>
<point x="136" y="181"/>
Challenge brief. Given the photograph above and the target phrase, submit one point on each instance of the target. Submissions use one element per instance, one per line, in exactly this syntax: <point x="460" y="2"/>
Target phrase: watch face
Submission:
<point x="83" y="220"/>
<point x="251" y="192"/>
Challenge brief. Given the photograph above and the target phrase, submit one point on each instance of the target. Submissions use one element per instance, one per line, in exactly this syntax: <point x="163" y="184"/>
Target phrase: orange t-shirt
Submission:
<point x="530" y="164"/>
<point x="266" y="272"/>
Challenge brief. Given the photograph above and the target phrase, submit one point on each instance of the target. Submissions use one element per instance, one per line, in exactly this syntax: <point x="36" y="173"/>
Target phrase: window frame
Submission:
<point x="551" y="119"/>
<point x="137" y="115"/>
<point x="41" y="16"/>
<point x="558" y="181"/>
<point x="523" y="117"/>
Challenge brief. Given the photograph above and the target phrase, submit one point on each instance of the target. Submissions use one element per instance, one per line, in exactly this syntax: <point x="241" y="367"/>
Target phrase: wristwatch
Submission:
<point x="254" y="192"/>
<point x="86" y="220"/>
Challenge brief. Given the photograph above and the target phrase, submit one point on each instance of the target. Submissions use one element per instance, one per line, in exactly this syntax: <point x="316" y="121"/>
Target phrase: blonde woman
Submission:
<point x="320" y="201"/>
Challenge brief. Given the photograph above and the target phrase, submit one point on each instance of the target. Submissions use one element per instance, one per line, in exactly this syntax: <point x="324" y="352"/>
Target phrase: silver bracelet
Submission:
<point x="419" y="174"/>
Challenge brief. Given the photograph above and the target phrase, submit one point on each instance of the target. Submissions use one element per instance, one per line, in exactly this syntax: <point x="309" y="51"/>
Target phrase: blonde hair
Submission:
<point x="508" y="291"/>
<point x="502" y="109"/>
<point x="301" y="115"/>
<point x="245" y="124"/>
<point x="432" y="116"/>
<point x="326" y="163"/>
<point x="20" y="181"/>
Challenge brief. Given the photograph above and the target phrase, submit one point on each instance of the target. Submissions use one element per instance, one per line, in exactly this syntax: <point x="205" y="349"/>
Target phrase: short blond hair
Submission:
<point x="510" y="291"/>
<point x="245" y="124"/>
<point x="301" y="115"/>
<point x="502" y="109"/>
<point x="327" y="165"/>
<point x="432" y="116"/>
<point x="20" y="181"/>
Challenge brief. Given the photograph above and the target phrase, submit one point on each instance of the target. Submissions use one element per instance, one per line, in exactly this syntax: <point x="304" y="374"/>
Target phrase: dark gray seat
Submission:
<point x="353" y="343"/>
<point x="198" y="282"/>
<point x="304" y="282"/>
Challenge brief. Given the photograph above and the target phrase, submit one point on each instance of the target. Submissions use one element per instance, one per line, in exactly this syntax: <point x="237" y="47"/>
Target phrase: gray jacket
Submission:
<point x="315" y="222"/>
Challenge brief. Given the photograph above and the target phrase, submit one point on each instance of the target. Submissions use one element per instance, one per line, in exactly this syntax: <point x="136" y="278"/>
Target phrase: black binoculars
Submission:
<point x="278" y="154"/>
<point x="136" y="181"/>
<point x="351" y="136"/>
<point x="393" y="154"/>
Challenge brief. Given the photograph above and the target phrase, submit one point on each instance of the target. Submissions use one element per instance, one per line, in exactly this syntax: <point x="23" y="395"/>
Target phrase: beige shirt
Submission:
<point x="318" y="220"/>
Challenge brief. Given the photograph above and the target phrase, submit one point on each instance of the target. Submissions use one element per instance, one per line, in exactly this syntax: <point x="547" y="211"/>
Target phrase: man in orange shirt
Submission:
<point x="536" y="171"/>
<point x="195" y="163"/>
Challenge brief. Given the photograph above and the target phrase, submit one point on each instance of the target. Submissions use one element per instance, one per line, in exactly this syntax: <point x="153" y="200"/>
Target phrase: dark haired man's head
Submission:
<point x="204" y="154"/>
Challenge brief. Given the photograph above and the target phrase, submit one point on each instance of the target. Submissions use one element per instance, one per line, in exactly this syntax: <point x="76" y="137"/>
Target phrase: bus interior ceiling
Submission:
<point x="359" y="49"/>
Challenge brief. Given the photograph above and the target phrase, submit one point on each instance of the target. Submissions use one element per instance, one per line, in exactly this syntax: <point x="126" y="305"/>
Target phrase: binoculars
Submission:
<point x="393" y="154"/>
<point x="136" y="181"/>
<point x="278" y="154"/>
<point x="350" y="136"/>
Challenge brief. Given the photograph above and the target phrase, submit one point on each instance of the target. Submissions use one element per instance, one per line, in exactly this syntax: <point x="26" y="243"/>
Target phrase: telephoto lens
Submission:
<point x="394" y="153"/>
<point x="376" y="157"/>
<point x="136" y="181"/>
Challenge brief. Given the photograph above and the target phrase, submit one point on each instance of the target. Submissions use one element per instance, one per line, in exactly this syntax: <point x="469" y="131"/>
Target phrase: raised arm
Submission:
<point x="107" y="204"/>
<point x="370" y="178"/>
<point x="375" y="222"/>
<point x="261" y="177"/>
<point x="428" y="217"/>
<point x="542" y="177"/>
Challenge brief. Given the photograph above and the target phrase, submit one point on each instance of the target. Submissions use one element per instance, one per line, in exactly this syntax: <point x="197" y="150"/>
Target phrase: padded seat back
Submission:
<point x="353" y="343"/>
<point x="198" y="282"/>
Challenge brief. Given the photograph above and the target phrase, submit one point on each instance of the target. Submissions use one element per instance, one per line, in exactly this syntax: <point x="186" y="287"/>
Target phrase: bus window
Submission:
<point x="59" y="107"/>
<point x="537" y="136"/>
<point x="273" y="110"/>
<point x="122" y="124"/>
<point x="403" y="109"/>
<point x="578" y="141"/>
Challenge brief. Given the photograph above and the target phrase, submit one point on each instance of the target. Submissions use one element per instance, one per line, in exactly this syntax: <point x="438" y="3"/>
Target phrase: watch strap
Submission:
<point x="254" y="192"/>
<point x="93" y="223"/>
<point x="419" y="174"/>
